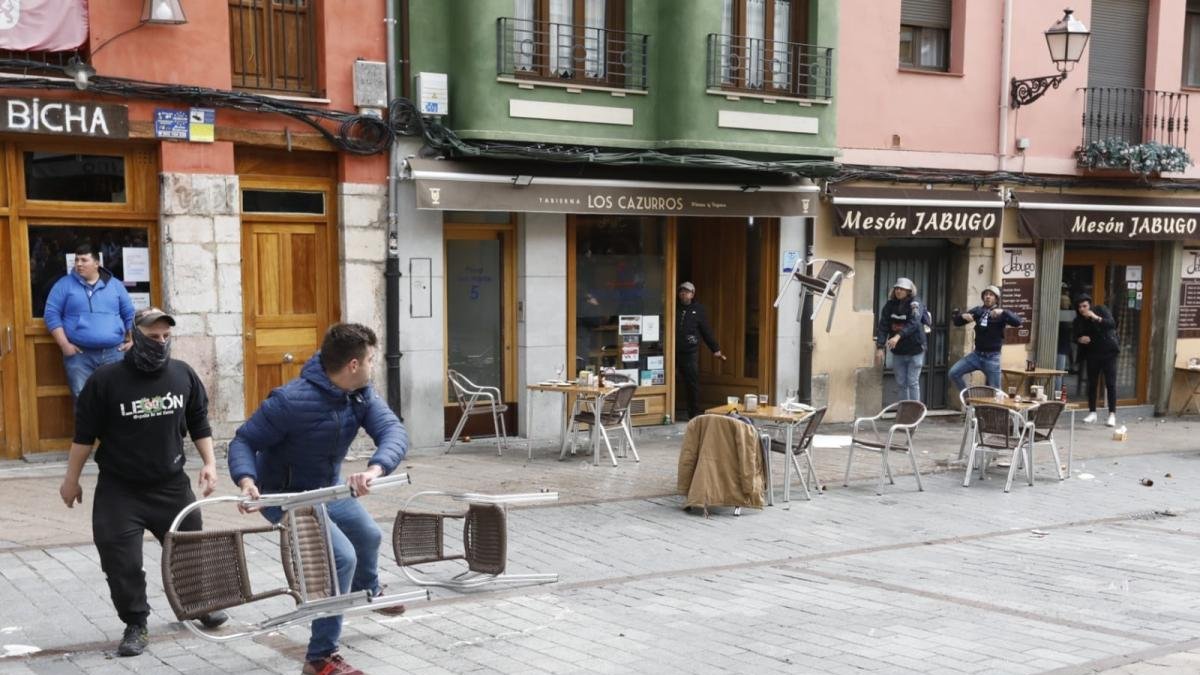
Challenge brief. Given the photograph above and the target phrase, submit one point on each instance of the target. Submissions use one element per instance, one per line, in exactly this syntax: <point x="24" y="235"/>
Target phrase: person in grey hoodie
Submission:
<point x="901" y="329"/>
<point x="90" y="315"/>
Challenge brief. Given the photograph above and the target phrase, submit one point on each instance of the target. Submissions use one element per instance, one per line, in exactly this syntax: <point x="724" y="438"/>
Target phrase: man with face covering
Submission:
<point x="990" y="321"/>
<point x="140" y="408"/>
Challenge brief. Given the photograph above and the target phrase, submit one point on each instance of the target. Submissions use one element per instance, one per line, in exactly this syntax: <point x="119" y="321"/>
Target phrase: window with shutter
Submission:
<point x="925" y="34"/>
<point x="273" y="45"/>
<point x="1191" y="49"/>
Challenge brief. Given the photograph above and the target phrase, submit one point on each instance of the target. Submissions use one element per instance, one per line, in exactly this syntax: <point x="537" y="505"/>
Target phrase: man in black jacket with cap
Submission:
<point x="692" y="328"/>
<point x="140" y="408"/>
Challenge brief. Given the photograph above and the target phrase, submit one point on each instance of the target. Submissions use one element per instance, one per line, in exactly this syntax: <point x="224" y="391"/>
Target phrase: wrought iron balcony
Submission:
<point x="1142" y="130"/>
<point x="769" y="67"/>
<point x="37" y="63"/>
<point x="571" y="53"/>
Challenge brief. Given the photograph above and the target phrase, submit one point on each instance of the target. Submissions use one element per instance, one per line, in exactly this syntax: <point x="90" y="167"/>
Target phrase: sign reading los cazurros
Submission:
<point x="63" y="118"/>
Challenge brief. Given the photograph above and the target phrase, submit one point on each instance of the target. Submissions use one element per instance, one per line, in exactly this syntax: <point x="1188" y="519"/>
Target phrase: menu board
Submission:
<point x="1189" y="294"/>
<point x="1016" y="290"/>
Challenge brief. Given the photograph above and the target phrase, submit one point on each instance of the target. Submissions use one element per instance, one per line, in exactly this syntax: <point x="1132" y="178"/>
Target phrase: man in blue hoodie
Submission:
<point x="90" y="315"/>
<point x="297" y="440"/>
<point x="990" y="321"/>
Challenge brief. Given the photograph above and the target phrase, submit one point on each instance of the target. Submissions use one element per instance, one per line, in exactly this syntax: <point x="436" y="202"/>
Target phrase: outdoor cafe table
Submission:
<point x="1024" y="406"/>
<point x="1192" y="377"/>
<point x="790" y="422"/>
<point x="1022" y="378"/>
<point x="593" y="395"/>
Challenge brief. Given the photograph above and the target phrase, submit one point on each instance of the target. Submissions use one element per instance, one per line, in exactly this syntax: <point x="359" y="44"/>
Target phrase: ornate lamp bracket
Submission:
<point x="1024" y="92"/>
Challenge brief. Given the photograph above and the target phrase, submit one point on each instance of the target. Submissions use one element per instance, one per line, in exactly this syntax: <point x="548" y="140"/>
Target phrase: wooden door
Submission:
<point x="10" y="448"/>
<point x="289" y="293"/>
<point x="1122" y="281"/>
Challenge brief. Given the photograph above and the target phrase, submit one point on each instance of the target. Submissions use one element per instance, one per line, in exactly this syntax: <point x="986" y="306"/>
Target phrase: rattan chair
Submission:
<point x="1000" y="431"/>
<point x="964" y="397"/>
<point x="614" y="414"/>
<point x="1044" y="418"/>
<point x="474" y="399"/>
<point x="205" y="571"/>
<point x="418" y="538"/>
<point x="908" y="416"/>
<point x="825" y="284"/>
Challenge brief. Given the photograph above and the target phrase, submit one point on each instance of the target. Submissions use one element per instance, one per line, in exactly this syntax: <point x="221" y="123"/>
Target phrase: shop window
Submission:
<point x="273" y="45"/>
<point x="1191" y="49"/>
<point x="69" y="177"/>
<point x="124" y="251"/>
<point x="620" y="266"/>
<point x="283" y="201"/>
<point x="925" y="34"/>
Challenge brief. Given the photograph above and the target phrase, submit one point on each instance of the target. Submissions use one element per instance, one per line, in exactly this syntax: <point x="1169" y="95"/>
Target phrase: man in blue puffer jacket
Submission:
<point x="297" y="440"/>
<point x="90" y="315"/>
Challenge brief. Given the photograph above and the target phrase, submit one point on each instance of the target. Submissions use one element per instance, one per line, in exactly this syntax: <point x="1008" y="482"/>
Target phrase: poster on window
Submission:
<point x="630" y="349"/>
<point x="1016" y="290"/>
<point x="1189" y="295"/>
<point x="650" y="328"/>
<point x="630" y="324"/>
<point x="137" y="264"/>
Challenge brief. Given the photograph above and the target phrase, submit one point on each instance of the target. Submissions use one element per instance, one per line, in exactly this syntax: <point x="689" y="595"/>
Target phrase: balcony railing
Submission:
<point x="770" y="67"/>
<point x="1135" y="116"/>
<point x="541" y="50"/>
<point x="37" y="63"/>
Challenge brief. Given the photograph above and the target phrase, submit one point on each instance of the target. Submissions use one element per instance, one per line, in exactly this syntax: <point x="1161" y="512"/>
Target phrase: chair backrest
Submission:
<point x="997" y="424"/>
<point x="461" y="386"/>
<point x="909" y="413"/>
<point x="308" y="569"/>
<point x="979" y="391"/>
<point x="810" y="429"/>
<point x="617" y="378"/>
<point x="1046" y="415"/>
<point x="205" y="571"/>
<point x="617" y="402"/>
<point x="485" y="538"/>
<point x="831" y="267"/>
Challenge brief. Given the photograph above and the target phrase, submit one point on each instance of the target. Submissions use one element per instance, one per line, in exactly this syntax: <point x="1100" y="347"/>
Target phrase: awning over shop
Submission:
<point x="459" y="186"/>
<point x="1056" y="216"/>
<point x="886" y="212"/>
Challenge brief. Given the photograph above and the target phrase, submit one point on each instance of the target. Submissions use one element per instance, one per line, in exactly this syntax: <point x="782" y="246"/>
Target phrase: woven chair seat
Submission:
<point x="608" y="419"/>
<point x="314" y="555"/>
<point x="485" y="538"/>
<point x="879" y="445"/>
<point x="206" y="571"/>
<point x="419" y="537"/>
<point x="483" y="407"/>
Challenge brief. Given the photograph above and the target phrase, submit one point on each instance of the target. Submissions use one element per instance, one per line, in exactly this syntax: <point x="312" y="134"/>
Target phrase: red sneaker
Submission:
<point x="333" y="664"/>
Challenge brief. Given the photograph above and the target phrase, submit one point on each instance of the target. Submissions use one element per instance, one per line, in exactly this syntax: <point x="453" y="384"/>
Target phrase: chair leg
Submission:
<point x="968" y="429"/>
<point x="812" y="469"/>
<point x="629" y="437"/>
<point x="1029" y="455"/>
<point x="970" y="465"/>
<point x="1012" y="465"/>
<point x="849" y="460"/>
<point x="503" y="432"/>
<point x="1057" y="461"/>
<point x="496" y="431"/>
<point x="800" y="475"/>
<point x="607" y="444"/>
<point x="912" y="457"/>
<point x="832" y="311"/>
<point x="462" y="422"/>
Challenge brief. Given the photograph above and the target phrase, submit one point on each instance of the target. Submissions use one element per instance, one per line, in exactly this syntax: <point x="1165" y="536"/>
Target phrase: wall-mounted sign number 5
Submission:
<point x="474" y="294"/>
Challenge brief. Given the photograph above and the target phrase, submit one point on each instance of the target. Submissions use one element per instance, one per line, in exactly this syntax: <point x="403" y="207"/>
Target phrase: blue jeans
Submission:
<point x="356" y="539"/>
<point x="908" y="375"/>
<point x="81" y="366"/>
<point x="988" y="362"/>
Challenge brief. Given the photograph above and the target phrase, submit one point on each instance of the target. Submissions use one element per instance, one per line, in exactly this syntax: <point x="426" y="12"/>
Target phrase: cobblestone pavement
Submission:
<point x="1093" y="574"/>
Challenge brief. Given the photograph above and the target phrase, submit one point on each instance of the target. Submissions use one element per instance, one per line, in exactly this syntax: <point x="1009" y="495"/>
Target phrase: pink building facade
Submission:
<point x="949" y="183"/>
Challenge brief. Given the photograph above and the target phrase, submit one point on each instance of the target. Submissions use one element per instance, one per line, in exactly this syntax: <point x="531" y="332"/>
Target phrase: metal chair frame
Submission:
<point x="973" y="391"/>
<point x="614" y="411"/>
<point x="827" y="283"/>
<point x="418" y="539"/>
<point x="1044" y="417"/>
<point x="206" y="571"/>
<point x="468" y="395"/>
<point x="802" y="447"/>
<point x="1017" y="432"/>
<point x="877" y="443"/>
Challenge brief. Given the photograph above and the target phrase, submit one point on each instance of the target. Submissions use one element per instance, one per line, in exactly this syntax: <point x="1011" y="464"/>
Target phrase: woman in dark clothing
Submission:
<point x="1095" y="330"/>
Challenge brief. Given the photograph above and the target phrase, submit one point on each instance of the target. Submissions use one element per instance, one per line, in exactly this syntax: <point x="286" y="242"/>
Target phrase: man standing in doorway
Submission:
<point x="691" y="328"/>
<point x="140" y="408"/>
<point x="990" y="321"/>
<point x="298" y="439"/>
<point x="90" y="315"/>
<point x="1095" y="330"/>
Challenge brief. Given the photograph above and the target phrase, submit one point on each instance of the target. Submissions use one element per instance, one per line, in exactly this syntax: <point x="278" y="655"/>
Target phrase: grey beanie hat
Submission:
<point x="907" y="284"/>
<point x="994" y="290"/>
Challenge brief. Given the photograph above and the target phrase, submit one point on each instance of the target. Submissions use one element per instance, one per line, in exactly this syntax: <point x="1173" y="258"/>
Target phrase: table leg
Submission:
<point x="766" y="452"/>
<point x="787" y="465"/>
<point x="596" y="405"/>
<point x="1071" y="447"/>
<point x="562" y="453"/>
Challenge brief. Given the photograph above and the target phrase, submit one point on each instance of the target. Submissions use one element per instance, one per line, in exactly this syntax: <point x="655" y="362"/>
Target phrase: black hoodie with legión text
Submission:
<point x="141" y="419"/>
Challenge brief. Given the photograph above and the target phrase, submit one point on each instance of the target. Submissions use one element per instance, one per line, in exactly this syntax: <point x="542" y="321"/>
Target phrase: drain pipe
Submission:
<point x="806" y="323"/>
<point x="1005" y="76"/>
<point x="391" y="273"/>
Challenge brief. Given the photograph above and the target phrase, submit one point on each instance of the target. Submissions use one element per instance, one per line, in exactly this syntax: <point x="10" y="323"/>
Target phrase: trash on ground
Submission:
<point x="1038" y="533"/>
<point x="1166" y="513"/>
<point x="1167" y="475"/>
<point x="1085" y="476"/>
<point x="1147" y="482"/>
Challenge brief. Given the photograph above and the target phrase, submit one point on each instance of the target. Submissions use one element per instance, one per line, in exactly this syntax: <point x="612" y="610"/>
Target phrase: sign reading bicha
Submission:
<point x="63" y="118"/>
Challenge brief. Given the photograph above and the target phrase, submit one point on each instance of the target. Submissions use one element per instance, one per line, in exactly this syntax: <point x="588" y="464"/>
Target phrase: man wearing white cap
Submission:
<point x="990" y="321"/>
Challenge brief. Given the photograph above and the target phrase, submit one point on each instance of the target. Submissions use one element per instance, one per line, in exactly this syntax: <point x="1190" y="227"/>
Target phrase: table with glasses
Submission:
<point x="790" y="422"/>
<point x="593" y="395"/>
<point x="1021" y="378"/>
<point x="1023" y="406"/>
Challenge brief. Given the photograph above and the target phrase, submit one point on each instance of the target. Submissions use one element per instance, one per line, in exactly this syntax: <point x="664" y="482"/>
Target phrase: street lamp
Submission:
<point x="163" y="11"/>
<point x="1066" y="40"/>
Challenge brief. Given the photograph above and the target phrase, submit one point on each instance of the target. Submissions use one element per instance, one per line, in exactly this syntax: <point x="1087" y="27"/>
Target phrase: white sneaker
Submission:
<point x="1112" y="420"/>
<point x="1090" y="419"/>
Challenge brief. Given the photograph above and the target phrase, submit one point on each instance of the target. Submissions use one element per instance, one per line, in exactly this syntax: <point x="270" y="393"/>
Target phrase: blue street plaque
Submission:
<point x="171" y="124"/>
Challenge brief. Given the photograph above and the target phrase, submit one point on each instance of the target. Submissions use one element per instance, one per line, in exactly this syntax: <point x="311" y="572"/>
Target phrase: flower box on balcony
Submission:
<point x="1140" y="158"/>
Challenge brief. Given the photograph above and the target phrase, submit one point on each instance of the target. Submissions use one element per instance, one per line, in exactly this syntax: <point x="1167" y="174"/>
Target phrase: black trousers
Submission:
<point x="1109" y="368"/>
<point x="121" y="514"/>
<point x="688" y="366"/>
